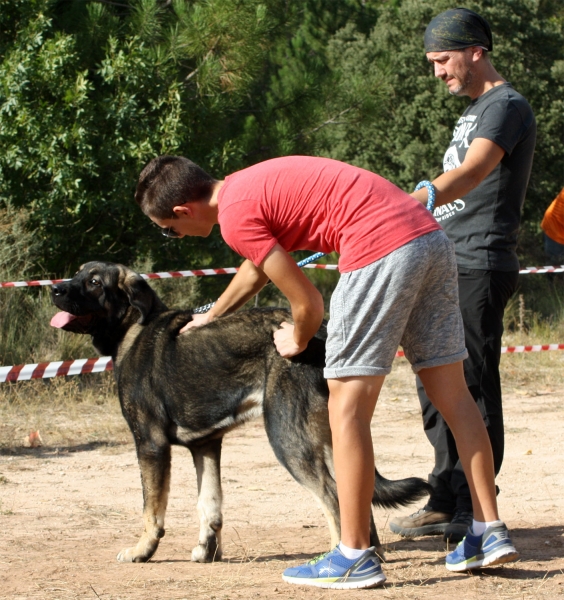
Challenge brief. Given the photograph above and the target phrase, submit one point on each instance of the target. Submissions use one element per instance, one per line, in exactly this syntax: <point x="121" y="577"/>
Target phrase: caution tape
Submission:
<point x="230" y="271"/>
<point x="518" y="349"/>
<point x="47" y="370"/>
<point x="163" y="275"/>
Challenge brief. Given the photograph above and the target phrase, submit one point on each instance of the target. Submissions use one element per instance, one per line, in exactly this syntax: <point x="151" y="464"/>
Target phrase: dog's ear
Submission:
<point x="140" y="294"/>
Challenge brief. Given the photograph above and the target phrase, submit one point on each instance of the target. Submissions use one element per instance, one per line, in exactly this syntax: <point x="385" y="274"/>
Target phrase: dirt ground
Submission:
<point x="66" y="510"/>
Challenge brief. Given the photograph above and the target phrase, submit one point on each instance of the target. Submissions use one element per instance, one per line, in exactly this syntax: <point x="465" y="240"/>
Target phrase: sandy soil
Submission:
<point x="65" y="512"/>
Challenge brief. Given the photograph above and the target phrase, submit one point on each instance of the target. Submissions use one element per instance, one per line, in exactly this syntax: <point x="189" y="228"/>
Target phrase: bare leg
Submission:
<point x="448" y="392"/>
<point x="351" y="404"/>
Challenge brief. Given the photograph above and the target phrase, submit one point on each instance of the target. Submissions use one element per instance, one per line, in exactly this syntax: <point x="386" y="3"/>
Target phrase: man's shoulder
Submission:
<point x="504" y="95"/>
<point x="500" y="105"/>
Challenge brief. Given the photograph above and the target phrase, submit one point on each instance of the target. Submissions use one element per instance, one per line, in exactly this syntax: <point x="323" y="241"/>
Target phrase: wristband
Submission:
<point x="431" y="193"/>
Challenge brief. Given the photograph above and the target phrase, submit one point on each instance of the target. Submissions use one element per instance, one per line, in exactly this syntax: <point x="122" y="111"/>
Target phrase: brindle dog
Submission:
<point x="192" y="389"/>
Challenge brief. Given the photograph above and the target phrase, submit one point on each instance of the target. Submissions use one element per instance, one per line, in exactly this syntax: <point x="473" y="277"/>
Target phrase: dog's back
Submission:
<point x="210" y="379"/>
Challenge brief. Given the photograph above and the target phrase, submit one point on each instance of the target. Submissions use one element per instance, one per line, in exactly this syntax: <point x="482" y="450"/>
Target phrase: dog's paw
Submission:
<point x="132" y="555"/>
<point x="205" y="554"/>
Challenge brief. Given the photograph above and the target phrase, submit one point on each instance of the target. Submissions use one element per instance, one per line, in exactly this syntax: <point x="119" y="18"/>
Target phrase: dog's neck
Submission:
<point x="108" y="339"/>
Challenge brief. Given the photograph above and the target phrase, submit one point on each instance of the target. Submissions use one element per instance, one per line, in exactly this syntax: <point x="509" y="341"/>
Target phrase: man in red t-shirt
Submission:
<point x="398" y="286"/>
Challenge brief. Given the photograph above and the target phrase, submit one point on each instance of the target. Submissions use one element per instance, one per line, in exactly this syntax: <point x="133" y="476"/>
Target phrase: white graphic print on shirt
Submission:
<point x="463" y="128"/>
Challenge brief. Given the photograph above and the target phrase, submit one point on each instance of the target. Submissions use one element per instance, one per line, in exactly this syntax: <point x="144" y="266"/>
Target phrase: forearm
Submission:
<point x="307" y="318"/>
<point x="306" y="302"/>
<point x="448" y="187"/>
<point x="481" y="159"/>
<point x="248" y="281"/>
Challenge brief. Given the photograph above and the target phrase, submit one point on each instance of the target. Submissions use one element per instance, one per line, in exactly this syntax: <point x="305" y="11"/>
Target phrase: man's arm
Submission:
<point x="248" y="281"/>
<point x="481" y="159"/>
<point x="305" y="300"/>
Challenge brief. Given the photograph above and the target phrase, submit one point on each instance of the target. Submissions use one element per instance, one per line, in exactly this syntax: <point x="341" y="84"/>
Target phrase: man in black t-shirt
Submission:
<point x="479" y="198"/>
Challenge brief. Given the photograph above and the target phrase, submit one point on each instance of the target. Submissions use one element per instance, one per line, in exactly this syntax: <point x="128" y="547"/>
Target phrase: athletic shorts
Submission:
<point x="408" y="298"/>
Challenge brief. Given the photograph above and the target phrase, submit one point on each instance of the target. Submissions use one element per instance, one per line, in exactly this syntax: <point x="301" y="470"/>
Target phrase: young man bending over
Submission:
<point x="397" y="287"/>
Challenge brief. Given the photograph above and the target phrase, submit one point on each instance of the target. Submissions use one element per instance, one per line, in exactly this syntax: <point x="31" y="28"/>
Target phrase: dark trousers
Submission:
<point x="483" y="297"/>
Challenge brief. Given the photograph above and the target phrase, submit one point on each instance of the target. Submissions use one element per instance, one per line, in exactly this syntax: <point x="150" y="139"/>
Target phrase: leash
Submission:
<point x="306" y="261"/>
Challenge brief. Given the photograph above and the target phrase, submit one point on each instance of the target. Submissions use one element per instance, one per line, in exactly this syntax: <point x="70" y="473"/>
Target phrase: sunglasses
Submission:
<point x="170" y="232"/>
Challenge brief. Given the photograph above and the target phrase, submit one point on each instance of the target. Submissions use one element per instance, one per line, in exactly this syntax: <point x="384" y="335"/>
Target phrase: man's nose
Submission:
<point x="440" y="71"/>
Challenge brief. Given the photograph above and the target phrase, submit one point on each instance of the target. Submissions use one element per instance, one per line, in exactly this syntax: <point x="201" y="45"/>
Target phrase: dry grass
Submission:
<point x="67" y="411"/>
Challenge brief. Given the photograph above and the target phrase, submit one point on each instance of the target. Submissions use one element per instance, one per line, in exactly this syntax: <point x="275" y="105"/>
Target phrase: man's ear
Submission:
<point x="183" y="210"/>
<point x="477" y="53"/>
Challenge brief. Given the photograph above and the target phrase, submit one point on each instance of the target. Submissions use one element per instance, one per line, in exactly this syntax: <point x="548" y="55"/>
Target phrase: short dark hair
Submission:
<point x="168" y="181"/>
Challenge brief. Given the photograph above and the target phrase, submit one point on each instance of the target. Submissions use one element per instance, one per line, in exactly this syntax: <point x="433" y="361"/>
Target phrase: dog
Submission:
<point x="191" y="389"/>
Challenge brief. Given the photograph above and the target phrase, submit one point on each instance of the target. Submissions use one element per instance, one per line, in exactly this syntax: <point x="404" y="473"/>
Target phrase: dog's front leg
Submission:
<point x="154" y="463"/>
<point x="207" y="462"/>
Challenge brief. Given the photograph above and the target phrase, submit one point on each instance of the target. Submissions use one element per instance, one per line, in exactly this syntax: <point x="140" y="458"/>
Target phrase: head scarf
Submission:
<point x="457" y="28"/>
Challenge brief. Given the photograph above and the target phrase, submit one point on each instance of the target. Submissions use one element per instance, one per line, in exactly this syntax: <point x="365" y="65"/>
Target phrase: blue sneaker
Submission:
<point x="334" y="571"/>
<point x="493" y="547"/>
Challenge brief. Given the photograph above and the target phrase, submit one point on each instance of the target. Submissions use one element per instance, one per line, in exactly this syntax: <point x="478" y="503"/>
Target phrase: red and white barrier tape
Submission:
<point x="164" y="275"/>
<point x="518" y="349"/>
<point x="54" y="369"/>
<point x="230" y="271"/>
<point x="97" y="365"/>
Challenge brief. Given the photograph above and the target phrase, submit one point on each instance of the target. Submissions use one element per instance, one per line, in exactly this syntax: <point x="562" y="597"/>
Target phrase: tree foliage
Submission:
<point x="406" y="142"/>
<point x="91" y="90"/>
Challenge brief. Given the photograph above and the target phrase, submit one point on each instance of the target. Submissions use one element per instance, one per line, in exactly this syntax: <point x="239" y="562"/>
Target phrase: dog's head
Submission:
<point x="101" y="292"/>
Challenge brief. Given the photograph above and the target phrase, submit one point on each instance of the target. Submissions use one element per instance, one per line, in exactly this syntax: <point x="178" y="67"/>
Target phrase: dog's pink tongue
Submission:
<point x="61" y="319"/>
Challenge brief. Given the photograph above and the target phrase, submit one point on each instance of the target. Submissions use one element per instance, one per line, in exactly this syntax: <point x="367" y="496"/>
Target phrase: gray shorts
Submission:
<point x="408" y="298"/>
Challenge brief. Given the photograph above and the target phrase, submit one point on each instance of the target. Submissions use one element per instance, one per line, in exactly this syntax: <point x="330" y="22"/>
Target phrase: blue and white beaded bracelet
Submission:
<point x="431" y="193"/>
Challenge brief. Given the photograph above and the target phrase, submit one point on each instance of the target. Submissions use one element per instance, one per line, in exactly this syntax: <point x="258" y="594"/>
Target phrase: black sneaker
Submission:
<point x="458" y="527"/>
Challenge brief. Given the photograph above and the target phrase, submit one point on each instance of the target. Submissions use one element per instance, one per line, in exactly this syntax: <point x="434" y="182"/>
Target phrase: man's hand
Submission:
<point x="197" y="321"/>
<point x="284" y="341"/>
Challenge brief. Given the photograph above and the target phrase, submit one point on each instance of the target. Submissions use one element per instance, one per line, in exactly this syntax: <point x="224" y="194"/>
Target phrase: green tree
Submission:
<point x="90" y="91"/>
<point x="406" y="141"/>
<point x="298" y="93"/>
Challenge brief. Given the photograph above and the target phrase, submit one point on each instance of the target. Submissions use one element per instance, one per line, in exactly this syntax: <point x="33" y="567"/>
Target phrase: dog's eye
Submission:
<point x="94" y="282"/>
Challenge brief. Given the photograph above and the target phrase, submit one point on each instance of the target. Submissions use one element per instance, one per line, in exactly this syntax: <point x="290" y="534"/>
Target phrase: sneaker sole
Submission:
<point x="412" y="532"/>
<point x="502" y="556"/>
<point x="339" y="584"/>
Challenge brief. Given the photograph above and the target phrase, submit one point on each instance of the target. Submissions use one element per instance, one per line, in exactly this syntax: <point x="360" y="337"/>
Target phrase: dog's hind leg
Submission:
<point x="154" y="463"/>
<point x="306" y="451"/>
<point x="207" y="462"/>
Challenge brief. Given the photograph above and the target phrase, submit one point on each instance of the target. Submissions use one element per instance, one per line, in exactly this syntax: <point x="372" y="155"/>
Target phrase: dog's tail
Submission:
<point x="393" y="493"/>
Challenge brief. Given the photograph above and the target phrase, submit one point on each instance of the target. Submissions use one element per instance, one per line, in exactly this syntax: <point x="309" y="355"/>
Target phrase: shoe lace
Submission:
<point x="316" y="559"/>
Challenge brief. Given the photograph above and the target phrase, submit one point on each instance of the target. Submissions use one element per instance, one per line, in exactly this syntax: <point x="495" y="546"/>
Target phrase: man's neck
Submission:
<point x="489" y="79"/>
<point x="212" y="203"/>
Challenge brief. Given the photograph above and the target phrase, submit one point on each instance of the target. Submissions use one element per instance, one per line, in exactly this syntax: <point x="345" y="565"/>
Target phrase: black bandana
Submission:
<point x="455" y="29"/>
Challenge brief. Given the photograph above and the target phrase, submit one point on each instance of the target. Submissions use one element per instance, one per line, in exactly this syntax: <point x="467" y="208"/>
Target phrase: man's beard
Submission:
<point x="462" y="89"/>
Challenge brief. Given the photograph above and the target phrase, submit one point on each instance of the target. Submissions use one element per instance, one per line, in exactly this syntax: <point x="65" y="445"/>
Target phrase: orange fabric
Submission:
<point x="553" y="221"/>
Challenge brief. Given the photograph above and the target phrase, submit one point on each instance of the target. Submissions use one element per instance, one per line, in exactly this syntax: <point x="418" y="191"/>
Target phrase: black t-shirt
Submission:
<point x="483" y="224"/>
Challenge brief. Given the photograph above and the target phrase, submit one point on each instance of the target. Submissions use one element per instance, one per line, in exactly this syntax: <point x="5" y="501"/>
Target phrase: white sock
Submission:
<point x="351" y="553"/>
<point x="479" y="527"/>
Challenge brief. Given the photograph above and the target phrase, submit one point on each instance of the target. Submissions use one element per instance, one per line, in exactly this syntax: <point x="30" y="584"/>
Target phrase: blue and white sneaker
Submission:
<point x="493" y="547"/>
<point x="335" y="571"/>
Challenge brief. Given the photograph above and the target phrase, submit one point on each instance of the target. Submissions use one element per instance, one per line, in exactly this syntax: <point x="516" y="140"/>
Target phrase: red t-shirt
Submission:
<point x="318" y="204"/>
